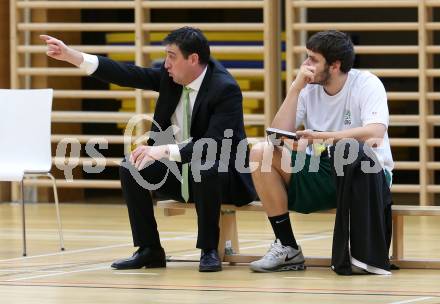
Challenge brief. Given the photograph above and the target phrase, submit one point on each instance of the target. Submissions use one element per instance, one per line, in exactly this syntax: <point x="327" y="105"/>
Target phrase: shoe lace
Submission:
<point x="275" y="251"/>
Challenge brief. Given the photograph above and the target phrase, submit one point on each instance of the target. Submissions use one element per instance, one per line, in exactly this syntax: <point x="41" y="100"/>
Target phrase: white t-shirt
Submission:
<point x="361" y="101"/>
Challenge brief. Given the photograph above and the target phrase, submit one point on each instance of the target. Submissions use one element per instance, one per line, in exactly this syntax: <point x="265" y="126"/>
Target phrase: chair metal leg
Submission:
<point x="57" y="208"/>
<point x="55" y="195"/>
<point x="23" y="217"/>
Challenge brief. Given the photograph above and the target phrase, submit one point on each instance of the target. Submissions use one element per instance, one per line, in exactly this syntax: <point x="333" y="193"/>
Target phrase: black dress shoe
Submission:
<point x="210" y="261"/>
<point x="145" y="257"/>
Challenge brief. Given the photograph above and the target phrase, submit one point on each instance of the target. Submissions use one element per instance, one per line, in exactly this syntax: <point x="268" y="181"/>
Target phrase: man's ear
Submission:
<point x="336" y="66"/>
<point x="194" y="58"/>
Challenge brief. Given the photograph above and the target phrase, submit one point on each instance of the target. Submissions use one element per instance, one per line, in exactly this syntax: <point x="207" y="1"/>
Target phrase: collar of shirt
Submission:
<point x="197" y="83"/>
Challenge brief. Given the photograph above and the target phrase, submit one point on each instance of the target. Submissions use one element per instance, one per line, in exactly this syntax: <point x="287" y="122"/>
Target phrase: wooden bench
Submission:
<point x="229" y="249"/>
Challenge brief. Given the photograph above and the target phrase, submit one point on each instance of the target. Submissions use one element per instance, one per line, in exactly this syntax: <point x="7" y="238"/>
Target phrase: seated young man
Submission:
<point x="334" y="103"/>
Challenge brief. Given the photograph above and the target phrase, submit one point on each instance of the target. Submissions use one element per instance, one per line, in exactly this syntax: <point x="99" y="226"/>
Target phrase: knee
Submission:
<point x="124" y="172"/>
<point x="261" y="157"/>
<point x="258" y="150"/>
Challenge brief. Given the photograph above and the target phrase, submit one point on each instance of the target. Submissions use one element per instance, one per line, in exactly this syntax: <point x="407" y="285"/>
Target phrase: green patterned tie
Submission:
<point x="185" y="137"/>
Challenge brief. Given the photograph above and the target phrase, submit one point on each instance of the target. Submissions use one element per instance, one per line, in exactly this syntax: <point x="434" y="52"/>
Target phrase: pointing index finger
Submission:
<point x="45" y="37"/>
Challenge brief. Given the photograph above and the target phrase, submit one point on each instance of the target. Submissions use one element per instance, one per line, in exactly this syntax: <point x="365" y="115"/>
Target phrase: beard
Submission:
<point x="323" y="78"/>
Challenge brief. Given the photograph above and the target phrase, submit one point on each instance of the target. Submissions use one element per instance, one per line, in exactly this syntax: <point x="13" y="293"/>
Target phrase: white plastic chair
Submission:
<point x="25" y="146"/>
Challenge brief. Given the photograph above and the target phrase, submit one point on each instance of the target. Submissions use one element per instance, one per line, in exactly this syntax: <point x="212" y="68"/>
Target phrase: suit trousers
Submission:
<point x="207" y="193"/>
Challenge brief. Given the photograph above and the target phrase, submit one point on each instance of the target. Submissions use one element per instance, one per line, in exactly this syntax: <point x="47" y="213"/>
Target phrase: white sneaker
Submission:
<point x="279" y="258"/>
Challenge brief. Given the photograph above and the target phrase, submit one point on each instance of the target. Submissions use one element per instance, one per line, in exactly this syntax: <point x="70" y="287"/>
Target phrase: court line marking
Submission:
<point x="256" y="291"/>
<point x="106" y="267"/>
<point x="412" y="300"/>
<point x="79" y="230"/>
<point x="29" y="270"/>
<point x="305" y="278"/>
<point x="136" y="273"/>
<point x="184" y="237"/>
<point x="190" y="236"/>
<point x="65" y="252"/>
<point x="61" y="273"/>
<point x="164" y="287"/>
<point x="113" y="246"/>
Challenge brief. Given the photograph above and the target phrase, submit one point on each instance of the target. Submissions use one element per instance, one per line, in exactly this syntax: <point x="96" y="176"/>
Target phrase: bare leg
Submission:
<point x="269" y="178"/>
<point x="271" y="182"/>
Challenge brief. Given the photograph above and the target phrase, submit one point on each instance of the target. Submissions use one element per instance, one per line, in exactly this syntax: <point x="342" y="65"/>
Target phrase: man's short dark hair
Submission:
<point x="190" y="40"/>
<point x="333" y="45"/>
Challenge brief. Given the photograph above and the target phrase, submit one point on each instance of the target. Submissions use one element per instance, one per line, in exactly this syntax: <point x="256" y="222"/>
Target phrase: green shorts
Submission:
<point x="313" y="191"/>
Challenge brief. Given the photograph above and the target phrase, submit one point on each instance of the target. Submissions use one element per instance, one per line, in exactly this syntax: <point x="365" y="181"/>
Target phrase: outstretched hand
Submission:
<point x="58" y="50"/>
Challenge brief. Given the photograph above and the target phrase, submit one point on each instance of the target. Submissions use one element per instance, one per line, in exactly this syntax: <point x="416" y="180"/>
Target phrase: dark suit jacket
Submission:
<point x="218" y="107"/>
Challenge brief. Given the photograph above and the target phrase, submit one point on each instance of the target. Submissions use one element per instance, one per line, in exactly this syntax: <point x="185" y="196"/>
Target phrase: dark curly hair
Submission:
<point x="333" y="45"/>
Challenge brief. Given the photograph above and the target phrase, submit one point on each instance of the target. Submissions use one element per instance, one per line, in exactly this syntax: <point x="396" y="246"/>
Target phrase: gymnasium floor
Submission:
<point x="95" y="235"/>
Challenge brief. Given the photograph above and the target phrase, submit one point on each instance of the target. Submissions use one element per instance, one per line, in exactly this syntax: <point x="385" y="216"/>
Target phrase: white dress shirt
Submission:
<point x="90" y="64"/>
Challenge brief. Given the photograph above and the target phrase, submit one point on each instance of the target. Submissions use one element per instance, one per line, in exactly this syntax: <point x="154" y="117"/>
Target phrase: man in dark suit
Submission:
<point x="202" y="99"/>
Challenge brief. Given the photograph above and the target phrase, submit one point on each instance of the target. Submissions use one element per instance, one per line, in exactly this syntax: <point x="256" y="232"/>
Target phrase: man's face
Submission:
<point x="179" y="68"/>
<point x="322" y="74"/>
